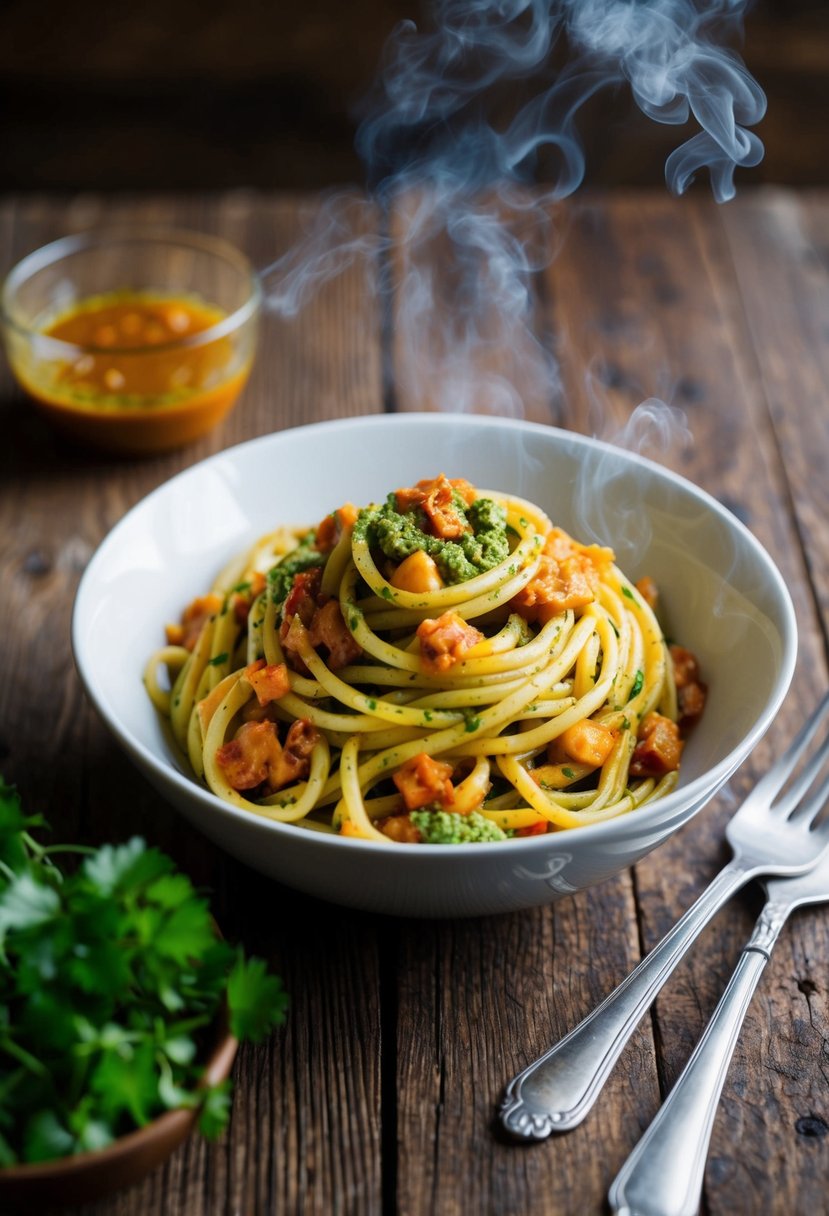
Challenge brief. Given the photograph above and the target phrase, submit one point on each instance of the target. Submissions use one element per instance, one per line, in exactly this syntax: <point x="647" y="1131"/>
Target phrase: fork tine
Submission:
<point x="769" y="785"/>
<point x="799" y="788"/>
<point x="821" y="832"/>
<point x="812" y="805"/>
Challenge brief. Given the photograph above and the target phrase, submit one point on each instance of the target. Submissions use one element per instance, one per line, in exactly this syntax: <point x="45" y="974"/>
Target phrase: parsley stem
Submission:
<point x="23" y="1056"/>
<point x="83" y="849"/>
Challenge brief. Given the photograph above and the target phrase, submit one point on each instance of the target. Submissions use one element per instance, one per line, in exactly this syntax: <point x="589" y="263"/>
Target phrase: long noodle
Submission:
<point x="492" y="717"/>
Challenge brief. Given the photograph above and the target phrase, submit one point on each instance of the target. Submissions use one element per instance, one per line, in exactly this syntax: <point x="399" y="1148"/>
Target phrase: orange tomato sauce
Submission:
<point x="135" y="382"/>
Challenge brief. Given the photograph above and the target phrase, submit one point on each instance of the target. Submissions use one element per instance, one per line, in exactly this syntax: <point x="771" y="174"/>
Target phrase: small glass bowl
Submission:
<point x="187" y="384"/>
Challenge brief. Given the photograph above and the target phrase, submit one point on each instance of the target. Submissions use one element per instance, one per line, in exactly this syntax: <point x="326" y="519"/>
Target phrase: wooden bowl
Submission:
<point x="90" y="1176"/>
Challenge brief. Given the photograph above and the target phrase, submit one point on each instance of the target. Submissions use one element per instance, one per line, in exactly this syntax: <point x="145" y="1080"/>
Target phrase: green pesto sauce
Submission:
<point x="447" y="827"/>
<point x="399" y="534"/>
<point x="303" y="557"/>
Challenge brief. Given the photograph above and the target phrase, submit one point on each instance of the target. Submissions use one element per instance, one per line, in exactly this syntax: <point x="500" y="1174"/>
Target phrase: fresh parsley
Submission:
<point x="112" y="981"/>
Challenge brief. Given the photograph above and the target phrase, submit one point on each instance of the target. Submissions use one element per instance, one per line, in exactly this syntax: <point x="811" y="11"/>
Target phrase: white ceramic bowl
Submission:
<point x="722" y="596"/>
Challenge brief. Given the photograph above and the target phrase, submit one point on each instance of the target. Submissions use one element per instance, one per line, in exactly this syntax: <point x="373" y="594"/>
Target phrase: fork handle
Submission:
<point x="556" y="1091"/>
<point x="663" y="1175"/>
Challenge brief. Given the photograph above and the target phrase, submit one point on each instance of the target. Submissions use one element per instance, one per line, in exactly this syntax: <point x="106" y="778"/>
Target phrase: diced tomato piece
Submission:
<point x="255" y="756"/>
<point x="330" y="630"/>
<point x="301" y="600"/>
<point x="295" y="761"/>
<point x="560" y="545"/>
<point x="246" y="759"/>
<point x="587" y="742"/>
<point x="252" y="711"/>
<point x="195" y="616"/>
<point x="659" y="748"/>
<point x="400" y="829"/>
<point x="417" y="573"/>
<point x="435" y="498"/>
<point x="686" y="668"/>
<point x="557" y="586"/>
<point x="691" y="702"/>
<point x="332" y="527"/>
<point x="691" y="691"/>
<point x="269" y="681"/>
<point x="174" y="634"/>
<point x="423" y="781"/>
<point x="445" y="641"/>
<point x="649" y="592"/>
<point x="465" y="488"/>
<point x="242" y="601"/>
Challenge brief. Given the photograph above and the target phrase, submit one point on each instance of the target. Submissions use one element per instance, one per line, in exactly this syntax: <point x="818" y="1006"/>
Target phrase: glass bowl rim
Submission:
<point x="92" y="238"/>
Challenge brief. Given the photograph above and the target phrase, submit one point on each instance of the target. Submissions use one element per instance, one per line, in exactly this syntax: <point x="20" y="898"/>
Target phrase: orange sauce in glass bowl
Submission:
<point x="134" y="374"/>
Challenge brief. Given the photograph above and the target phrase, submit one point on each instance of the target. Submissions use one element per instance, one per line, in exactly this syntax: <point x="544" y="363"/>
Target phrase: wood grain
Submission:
<point x="379" y="1094"/>
<point x="668" y="315"/>
<point x="305" y="1134"/>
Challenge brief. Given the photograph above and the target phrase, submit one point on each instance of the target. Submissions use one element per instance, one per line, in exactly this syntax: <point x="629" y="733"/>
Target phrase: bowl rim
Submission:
<point x="125" y="234"/>
<point x="691" y="794"/>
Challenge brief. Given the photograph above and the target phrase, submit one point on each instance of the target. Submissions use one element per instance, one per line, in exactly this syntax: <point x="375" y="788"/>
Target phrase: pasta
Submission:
<point x="444" y="667"/>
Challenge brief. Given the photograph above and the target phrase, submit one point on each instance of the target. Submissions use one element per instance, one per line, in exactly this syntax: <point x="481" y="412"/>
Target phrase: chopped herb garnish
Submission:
<point x="627" y="591"/>
<point x="218" y="659"/>
<point x="303" y="557"/>
<point x="481" y="545"/>
<point x="568" y="773"/>
<point x="448" y="827"/>
<point x="636" y="688"/>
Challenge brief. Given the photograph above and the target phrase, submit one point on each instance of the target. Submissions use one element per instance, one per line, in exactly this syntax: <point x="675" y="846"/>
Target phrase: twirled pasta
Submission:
<point x="493" y="719"/>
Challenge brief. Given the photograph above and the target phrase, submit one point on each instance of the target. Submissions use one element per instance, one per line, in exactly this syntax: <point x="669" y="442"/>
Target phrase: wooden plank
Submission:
<point x="647" y="296"/>
<point x="778" y="245"/>
<point x="478" y="1000"/>
<point x="305" y="1133"/>
<point x="785" y="294"/>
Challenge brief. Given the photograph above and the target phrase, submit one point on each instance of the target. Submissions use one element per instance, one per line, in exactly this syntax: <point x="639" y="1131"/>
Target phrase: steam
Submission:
<point x="469" y="141"/>
<point x="655" y="430"/>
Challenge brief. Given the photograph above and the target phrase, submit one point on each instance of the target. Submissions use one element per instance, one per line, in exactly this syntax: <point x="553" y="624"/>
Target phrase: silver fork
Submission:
<point x="663" y="1175"/>
<point x="768" y="835"/>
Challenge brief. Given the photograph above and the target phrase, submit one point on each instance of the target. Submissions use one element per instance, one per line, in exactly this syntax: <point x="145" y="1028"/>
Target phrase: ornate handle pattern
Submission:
<point x="556" y="1091"/>
<point x="663" y="1175"/>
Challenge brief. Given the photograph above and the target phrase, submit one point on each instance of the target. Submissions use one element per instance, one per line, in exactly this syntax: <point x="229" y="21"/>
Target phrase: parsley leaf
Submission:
<point x="112" y="979"/>
<point x="255" y="999"/>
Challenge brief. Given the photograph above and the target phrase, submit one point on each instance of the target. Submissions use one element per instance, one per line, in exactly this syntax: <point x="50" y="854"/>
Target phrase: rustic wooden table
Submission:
<point x="378" y="1095"/>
